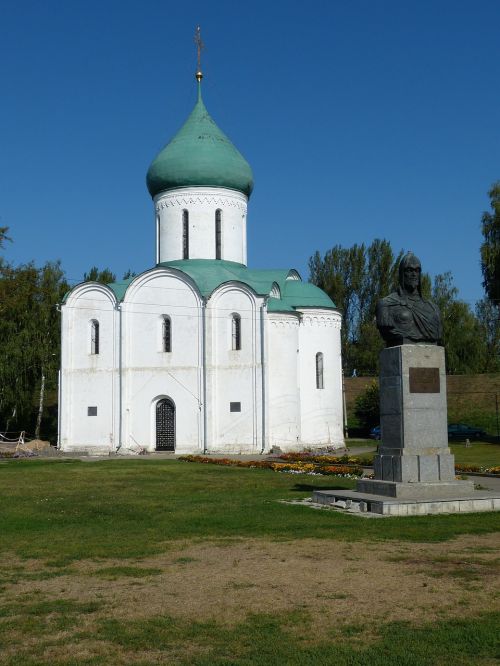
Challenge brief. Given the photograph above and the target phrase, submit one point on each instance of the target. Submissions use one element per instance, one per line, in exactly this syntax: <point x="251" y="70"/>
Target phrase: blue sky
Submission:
<point x="361" y="119"/>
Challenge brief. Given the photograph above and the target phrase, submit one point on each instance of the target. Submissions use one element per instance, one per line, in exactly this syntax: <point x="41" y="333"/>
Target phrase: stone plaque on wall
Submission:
<point x="424" y="380"/>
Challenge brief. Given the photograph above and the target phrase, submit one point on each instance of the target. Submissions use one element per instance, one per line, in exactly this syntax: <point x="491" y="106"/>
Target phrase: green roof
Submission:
<point x="119" y="288"/>
<point x="277" y="305"/>
<point x="208" y="274"/>
<point x="299" y="294"/>
<point x="200" y="154"/>
<point x="211" y="273"/>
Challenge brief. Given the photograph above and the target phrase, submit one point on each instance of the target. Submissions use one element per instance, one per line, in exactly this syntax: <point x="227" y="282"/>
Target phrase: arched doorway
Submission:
<point x="165" y="425"/>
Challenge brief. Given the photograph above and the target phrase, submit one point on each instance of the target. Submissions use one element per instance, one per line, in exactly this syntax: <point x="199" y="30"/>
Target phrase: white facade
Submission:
<point x="272" y="376"/>
<point x="200" y="354"/>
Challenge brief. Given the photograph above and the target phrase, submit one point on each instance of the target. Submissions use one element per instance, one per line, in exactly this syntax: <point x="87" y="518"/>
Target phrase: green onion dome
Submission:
<point x="200" y="154"/>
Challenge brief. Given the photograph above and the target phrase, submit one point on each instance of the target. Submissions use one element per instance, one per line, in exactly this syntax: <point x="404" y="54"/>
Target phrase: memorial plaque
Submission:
<point x="424" y="380"/>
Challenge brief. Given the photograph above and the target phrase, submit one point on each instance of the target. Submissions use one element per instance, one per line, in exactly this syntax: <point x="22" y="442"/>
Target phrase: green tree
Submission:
<point x="105" y="276"/>
<point x="18" y="372"/>
<point x="51" y="287"/>
<point x="379" y="279"/>
<point x="463" y="336"/>
<point x="29" y="342"/>
<point x="365" y="350"/>
<point x="340" y="273"/>
<point x="3" y="236"/>
<point x="490" y="249"/>
<point x="356" y="278"/>
<point x="488" y="319"/>
<point x="367" y="406"/>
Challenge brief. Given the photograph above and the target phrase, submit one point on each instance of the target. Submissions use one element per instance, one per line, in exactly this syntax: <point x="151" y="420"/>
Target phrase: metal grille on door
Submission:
<point x="165" y="425"/>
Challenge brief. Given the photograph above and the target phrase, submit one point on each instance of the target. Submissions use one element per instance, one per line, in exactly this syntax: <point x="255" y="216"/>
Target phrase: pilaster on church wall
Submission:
<point x="233" y="376"/>
<point x="283" y="380"/>
<point x="150" y="373"/>
<point x="321" y="408"/>
<point x="89" y="380"/>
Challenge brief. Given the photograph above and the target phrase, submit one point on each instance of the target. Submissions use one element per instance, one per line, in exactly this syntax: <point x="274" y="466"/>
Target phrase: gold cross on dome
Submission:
<point x="199" y="46"/>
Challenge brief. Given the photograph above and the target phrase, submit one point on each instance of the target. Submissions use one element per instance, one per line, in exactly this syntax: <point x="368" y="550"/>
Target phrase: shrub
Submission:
<point x="367" y="406"/>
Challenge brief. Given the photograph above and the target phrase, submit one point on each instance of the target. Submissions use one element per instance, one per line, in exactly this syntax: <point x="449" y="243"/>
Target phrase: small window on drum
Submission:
<point x="185" y="234"/>
<point x="319" y="371"/>
<point x="166" y="334"/>
<point x="94" y="336"/>
<point x="158" y="251"/>
<point x="218" y="234"/>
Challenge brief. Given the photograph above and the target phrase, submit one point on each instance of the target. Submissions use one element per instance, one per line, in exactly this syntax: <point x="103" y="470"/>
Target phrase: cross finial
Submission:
<point x="199" y="46"/>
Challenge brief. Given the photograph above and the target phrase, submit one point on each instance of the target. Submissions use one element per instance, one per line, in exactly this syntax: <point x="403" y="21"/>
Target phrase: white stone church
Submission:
<point x="200" y="354"/>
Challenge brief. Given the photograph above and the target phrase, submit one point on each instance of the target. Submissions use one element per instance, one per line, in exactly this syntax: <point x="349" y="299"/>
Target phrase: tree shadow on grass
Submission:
<point x="308" y="487"/>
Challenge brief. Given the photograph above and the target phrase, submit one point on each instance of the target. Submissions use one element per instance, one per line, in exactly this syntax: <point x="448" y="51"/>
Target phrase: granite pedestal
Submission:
<point x="414" y="460"/>
<point x="414" y="468"/>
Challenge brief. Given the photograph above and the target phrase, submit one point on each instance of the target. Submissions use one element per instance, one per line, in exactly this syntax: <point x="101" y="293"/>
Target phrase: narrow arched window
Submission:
<point x="185" y="234"/>
<point x="319" y="371"/>
<point x="236" y="332"/>
<point x="166" y="334"/>
<point x="158" y="250"/>
<point x="218" y="234"/>
<point x="94" y="336"/>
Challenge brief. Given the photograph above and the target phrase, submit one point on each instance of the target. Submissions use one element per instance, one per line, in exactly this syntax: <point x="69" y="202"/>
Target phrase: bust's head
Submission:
<point x="410" y="274"/>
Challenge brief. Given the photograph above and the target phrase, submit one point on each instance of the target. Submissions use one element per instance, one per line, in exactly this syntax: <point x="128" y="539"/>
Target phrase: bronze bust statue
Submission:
<point x="405" y="317"/>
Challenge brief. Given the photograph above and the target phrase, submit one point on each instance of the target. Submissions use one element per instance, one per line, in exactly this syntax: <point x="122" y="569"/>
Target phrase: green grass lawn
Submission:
<point x="70" y="509"/>
<point x="479" y="453"/>
<point x="57" y="514"/>
<point x="356" y="443"/>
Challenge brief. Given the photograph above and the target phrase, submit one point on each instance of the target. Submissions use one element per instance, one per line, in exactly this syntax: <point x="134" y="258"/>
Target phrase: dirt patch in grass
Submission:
<point x="333" y="583"/>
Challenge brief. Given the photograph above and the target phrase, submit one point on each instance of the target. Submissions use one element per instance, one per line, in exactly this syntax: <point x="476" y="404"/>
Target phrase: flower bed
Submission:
<point x="304" y="455"/>
<point x="227" y="462"/>
<point x="304" y="463"/>
<point x="463" y="468"/>
<point x="326" y="459"/>
<point x="299" y="467"/>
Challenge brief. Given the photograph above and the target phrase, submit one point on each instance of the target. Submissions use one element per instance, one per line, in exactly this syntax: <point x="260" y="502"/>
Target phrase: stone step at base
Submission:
<point x="389" y="506"/>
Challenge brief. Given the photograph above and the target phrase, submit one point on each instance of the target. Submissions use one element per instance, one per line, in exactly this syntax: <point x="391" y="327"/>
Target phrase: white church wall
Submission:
<point x="234" y="376"/>
<point x="283" y="381"/>
<point x="150" y="373"/>
<point x="297" y="412"/>
<point x="201" y="204"/>
<point x="89" y="380"/>
<point x="321" y="408"/>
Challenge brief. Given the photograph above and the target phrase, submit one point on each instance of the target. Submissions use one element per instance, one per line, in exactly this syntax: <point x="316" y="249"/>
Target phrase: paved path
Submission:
<point x="490" y="482"/>
<point x="165" y="455"/>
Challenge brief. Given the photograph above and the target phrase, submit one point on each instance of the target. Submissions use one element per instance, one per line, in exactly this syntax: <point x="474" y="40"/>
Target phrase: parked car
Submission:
<point x="375" y="432"/>
<point x="463" y="431"/>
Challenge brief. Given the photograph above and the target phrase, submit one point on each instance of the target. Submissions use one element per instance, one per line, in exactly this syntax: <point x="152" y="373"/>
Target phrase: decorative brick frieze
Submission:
<point x="176" y="201"/>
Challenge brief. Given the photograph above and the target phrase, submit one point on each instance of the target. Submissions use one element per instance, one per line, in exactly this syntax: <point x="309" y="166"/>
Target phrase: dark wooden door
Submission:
<point x="165" y="425"/>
